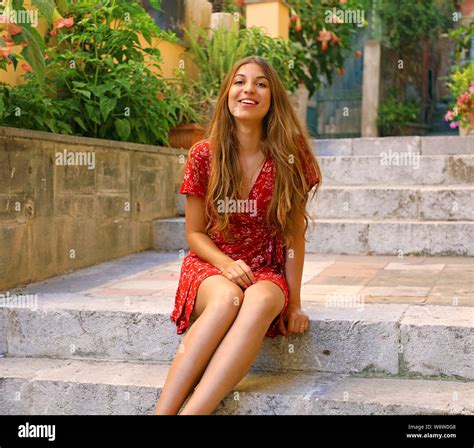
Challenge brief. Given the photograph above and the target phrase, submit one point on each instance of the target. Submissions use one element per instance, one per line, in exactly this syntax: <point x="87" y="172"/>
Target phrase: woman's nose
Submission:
<point x="248" y="87"/>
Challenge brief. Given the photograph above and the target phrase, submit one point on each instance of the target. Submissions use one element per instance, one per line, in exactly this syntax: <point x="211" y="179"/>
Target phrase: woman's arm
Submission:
<point x="294" y="263"/>
<point x="203" y="246"/>
<point x="298" y="320"/>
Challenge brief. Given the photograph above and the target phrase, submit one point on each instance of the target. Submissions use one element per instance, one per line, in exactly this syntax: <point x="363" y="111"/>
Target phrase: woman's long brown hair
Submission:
<point x="282" y="139"/>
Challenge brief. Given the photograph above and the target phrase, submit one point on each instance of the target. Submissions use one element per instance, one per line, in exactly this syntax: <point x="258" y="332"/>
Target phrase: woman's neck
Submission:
<point x="249" y="137"/>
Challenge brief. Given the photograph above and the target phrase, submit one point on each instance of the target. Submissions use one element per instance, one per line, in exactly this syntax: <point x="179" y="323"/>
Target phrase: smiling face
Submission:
<point x="249" y="95"/>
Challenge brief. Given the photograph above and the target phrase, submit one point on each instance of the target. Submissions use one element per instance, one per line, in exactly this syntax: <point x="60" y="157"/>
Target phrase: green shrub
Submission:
<point x="394" y="114"/>
<point x="99" y="81"/>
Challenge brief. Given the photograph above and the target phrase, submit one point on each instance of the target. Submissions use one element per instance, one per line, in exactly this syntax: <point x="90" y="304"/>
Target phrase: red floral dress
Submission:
<point x="265" y="255"/>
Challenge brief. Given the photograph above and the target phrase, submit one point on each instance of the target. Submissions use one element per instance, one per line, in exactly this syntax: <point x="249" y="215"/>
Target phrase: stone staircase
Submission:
<point x="100" y="341"/>
<point x="91" y="344"/>
<point x="383" y="196"/>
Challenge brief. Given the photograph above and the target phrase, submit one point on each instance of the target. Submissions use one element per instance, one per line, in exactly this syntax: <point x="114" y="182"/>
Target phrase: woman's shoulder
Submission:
<point x="200" y="149"/>
<point x="200" y="155"/>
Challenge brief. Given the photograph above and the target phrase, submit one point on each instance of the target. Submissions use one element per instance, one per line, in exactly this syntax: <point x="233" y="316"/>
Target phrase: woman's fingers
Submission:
<point x="297" y="325"/>
<point x="249" y="273"/>
<point x="235" y="277"/>
<point x="240" y="273"/>
<point x="246" y="273"/>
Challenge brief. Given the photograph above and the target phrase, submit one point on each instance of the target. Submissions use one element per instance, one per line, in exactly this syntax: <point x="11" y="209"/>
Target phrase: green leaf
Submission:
<point x="17" y="4"/>
<point x="107" y="105"/>
<point x="46" y="8"/>
<point x="33" y="53"/>
<point x="92" y="114"/>
<point x="86" y="93"/>
<point x="123" y="128"/>
<point x="2" y="106"/>
<point x="79" y="84"/>
<point x="79" y="121"/>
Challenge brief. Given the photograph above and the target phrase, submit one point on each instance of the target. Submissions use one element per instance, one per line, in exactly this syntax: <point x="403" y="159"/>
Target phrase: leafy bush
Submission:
<point x="394" y="114"/>
<point x="460" y="82"/>
<point x="407" y="22"/>
<point x="324" y="38"/>
<point x="99" y="80"/>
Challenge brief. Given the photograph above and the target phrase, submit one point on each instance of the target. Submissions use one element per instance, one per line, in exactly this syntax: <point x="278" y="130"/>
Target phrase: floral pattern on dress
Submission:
<point x="253" y="243"/>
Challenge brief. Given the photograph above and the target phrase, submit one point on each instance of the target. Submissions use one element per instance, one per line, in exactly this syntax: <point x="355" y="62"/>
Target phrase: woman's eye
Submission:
<point x="260" y="83"/>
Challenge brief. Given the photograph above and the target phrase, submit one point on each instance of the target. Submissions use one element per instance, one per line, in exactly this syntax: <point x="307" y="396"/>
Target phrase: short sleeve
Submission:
<point x="196" y="173"/>
<point x="310" y="172"/>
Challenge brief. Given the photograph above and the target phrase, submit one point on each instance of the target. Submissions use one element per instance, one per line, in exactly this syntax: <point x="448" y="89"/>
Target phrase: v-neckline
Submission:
<point x="256" y="180"/>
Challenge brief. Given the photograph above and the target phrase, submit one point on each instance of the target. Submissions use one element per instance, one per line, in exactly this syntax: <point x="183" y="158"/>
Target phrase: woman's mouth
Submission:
<point x="248" y="103"/>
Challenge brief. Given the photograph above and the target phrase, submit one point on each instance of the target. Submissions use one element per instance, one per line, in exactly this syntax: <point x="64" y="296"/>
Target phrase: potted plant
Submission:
<point x="187" y="102"/>
<point x="462" y="114"/>
<point x="397" y="117"/>
<point x="460" y="82"/>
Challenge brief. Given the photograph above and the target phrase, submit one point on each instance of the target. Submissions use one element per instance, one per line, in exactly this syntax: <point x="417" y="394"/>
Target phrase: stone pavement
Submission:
<point x="334" y="278"/>
<point x="387" y="335"/>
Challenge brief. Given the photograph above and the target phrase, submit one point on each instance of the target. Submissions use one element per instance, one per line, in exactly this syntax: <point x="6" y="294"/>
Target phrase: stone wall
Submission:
<point x="58" y="217"/>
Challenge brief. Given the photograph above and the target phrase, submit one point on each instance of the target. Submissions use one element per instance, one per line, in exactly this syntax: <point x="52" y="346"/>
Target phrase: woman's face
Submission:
<point x="251" y="84"/>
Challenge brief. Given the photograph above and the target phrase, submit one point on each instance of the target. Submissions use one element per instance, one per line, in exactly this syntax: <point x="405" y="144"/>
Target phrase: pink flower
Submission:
<point x="449" y="115"/>
<point x="324" y="37"/>
<point x="14" y="29"/>
<point x="65" y="22"/>
<point x="454" y="124"/>
<point x="358" y="54"/>
<point x="61" y="23"/>
<point x="27" y="67"/>
<point x="471" y="89"/>
<point x="4" y="52"/>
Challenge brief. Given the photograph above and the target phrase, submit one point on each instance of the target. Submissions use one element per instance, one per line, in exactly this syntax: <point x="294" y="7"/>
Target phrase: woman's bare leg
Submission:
<point x="217" y="304"/>
<point x="263" y="301"/>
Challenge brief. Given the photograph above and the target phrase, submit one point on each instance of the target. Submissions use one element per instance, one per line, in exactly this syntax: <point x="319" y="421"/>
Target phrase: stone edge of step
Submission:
<point x="258" y="391"/>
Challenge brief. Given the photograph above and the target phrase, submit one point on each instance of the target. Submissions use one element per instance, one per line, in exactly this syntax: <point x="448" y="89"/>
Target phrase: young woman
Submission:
<point x="246" y="191"/>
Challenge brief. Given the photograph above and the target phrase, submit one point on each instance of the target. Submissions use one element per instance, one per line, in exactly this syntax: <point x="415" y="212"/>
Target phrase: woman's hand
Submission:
<point x="240" y="273"/>
<point x="298" y="321"/>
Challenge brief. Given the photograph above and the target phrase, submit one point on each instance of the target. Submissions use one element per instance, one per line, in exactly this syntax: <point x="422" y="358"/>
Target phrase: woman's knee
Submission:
<point x="223" y="297"/>
<point x="227" y="298"/>
<point x="265" y="302"/>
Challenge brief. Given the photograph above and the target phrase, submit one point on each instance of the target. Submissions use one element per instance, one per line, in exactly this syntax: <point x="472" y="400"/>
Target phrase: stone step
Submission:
<point x="417" y="202"/>
<point x="345" y="336"/>
<point x="391" y="237"/>
<point x="44" y="386"/>
<point x="356" y="236"/>
<point x="426" y="146"/>
<point x="413" y="170"/>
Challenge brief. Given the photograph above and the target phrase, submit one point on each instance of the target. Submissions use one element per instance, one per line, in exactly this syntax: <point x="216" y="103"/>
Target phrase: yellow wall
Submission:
<point x="273" y="16"/>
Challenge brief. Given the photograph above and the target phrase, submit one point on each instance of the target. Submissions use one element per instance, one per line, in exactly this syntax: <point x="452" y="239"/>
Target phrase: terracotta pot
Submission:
<point x="185" y="135"/>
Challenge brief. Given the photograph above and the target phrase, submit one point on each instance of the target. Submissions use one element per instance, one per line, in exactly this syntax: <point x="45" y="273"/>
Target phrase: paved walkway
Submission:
<point x="331" y="280"/>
